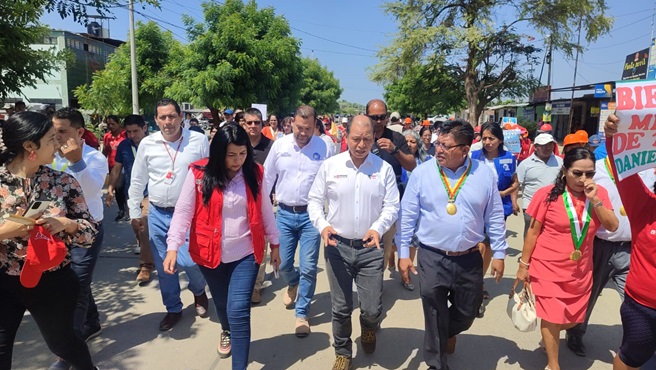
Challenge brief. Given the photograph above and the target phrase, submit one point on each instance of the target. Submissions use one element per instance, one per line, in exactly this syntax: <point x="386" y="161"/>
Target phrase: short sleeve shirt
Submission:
<point x="261" y="150"/>
<point x="125" y="156"/>
<point x="399" y="141"/>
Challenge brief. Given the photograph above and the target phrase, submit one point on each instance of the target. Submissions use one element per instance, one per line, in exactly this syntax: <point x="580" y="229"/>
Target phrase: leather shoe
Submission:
<point x="169" y="321"/>
<point x="575" y="344"/>
<point x="201" y="303"/>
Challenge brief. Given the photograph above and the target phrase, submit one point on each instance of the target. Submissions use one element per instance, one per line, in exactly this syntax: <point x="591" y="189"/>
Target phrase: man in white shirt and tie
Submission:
<point x="161" y="164"/>
<point x="363" y="203"/>
<point x="294" y="161"/>
<point x="89" y="167"/>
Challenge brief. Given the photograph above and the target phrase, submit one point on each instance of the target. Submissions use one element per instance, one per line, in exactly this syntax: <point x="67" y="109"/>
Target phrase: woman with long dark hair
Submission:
<point x="227" y="212"/>
<point x="557" y="250"/>
<point x="504" y="165"/>
<point x="273" y="128"/>
<point x="27" y="145"/>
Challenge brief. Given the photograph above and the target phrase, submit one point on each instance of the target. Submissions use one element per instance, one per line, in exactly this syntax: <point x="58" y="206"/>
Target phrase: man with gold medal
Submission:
<point x="450" y="203"/>
<point x="612" y="251"/>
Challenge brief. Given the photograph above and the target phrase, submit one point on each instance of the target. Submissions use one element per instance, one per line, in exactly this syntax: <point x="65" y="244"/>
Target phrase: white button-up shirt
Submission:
<point x="359" y="199"/>
<point x="294" y="167"/>
<point x="90" y="172"/>
<point x="154" y="160"/>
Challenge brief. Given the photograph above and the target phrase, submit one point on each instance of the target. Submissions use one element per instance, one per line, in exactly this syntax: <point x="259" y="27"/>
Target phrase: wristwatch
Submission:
<point x="396" y="150"/>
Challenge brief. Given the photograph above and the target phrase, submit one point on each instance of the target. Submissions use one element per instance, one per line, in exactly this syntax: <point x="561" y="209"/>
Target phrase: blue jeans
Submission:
<point x="83" y="262"/>
<point x="159" y="222"/>
<point x="231" y="285"/>
<point x="345" y="264"/>
<point x="295" y="228"/>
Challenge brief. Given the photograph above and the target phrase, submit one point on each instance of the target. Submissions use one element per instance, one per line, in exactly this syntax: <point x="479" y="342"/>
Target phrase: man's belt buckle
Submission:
<point x="297" y="209"/>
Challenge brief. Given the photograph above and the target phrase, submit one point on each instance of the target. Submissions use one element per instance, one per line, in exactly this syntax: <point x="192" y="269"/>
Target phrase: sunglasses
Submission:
<point x="379" y="117"/>
<point x="579" y="174"/>
<point x="251" y="123"/>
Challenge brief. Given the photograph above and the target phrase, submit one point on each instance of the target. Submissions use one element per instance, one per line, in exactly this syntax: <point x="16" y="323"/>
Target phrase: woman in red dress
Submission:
<point x="558" y="246"/>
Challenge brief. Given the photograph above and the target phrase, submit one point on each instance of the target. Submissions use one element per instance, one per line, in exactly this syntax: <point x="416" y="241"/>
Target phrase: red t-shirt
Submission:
<point x="640" y="206"/>
<point x="111" y="141"/>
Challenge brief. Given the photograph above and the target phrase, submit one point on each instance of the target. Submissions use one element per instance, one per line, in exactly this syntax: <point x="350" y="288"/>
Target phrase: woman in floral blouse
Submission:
<point x="27" y="144"/>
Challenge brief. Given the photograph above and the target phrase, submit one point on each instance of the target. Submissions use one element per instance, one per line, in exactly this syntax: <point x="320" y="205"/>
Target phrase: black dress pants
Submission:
<point x="52" y="305"/>
<point x="443" y="280"/>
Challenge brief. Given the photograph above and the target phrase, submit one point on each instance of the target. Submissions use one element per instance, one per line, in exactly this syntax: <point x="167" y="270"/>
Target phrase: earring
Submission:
<point x="32" y="156"/>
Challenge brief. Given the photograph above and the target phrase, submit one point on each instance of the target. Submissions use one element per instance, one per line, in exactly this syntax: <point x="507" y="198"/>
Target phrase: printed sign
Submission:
<point x="263" y="110"/>
<point x="511" y="120"/>
<point x="634" y="145"/>
<point x="603" y="91"/>
<point x="511" y="140"/>
<point x="635" y="66"/>
<point x="606" y="110"/>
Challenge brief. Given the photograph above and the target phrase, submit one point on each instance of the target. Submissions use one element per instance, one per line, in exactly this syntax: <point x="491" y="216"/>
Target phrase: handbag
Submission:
<point x="521" y="308"/>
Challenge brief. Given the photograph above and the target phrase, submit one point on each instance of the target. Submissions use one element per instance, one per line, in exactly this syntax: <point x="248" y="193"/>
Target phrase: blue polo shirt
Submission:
<point x="125" y="156"/>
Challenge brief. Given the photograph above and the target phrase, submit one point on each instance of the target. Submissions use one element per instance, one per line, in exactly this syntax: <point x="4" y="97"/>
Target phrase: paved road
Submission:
<point x="130" y="316"/>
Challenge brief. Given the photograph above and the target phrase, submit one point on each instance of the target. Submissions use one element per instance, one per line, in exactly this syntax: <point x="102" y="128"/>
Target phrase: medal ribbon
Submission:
<point x="54" y="166"/>
<point x="578" y="232"/>
<point x="610" y="170"/>
<point x="453" y="192"/>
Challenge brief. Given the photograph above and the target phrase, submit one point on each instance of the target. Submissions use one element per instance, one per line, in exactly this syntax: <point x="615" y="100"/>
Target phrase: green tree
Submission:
<point x="350" y="108"/>
<point x="488" y="56"/>
<point x="239" y="55"/>
<point x="158" y="53"/>
<point x="425" y="90"/>
<point x="319" y="89"/>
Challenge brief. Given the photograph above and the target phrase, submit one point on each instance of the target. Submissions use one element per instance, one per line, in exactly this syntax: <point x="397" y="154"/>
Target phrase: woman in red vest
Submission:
<point x="227" y="213"/>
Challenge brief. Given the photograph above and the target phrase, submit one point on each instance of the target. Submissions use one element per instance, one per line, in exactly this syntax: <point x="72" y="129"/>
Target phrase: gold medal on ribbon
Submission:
<point x="452" y="193"/>
<point x="576" y="255"/>
<point x="622" y="211"/>
<point x="451" y="208"/>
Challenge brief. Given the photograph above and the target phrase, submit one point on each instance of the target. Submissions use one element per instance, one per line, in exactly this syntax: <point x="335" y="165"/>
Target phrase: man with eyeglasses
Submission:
<point x="391" y="147"/>
<point x="461" y="196"/>
<point x="261" y="144"/>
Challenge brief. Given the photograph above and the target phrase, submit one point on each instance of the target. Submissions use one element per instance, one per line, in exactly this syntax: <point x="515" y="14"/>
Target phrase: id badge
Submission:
<point x="168" y="179"/>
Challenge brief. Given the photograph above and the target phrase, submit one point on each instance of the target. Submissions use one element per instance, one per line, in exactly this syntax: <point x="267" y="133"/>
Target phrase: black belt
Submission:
<point x="353" y="243"/>
<point x="448" y="253"/>
<point x="165" y="209"/>
<point x="293" y="209"/>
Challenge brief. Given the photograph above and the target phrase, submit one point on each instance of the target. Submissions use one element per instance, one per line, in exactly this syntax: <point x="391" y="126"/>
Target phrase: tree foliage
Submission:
<point x="20" y="65"/>
<point x="425" y="90"/>
<point x="320" y="89"/>
<point x="466" y="38"/>
<point x="239" y="55"/>
<point x="158" y="55"/>
<point x="350" y="108"/>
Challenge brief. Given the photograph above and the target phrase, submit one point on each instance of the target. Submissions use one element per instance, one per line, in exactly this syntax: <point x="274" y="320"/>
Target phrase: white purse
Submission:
<point x="521" y="308"/>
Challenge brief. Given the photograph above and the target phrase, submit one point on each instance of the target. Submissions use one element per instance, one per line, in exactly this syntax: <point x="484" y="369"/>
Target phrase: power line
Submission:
<point x="621" y="42"/>
<point x="335" y="42"/>
<point x="339" y="52"/>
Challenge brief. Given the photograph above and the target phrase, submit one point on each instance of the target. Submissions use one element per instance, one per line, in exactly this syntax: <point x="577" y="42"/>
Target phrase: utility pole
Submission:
<point x="133" y="61"/>
<point x="576" y="66"/>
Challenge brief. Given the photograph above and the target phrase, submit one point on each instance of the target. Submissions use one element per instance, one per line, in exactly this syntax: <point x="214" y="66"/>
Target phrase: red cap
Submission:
<point x="44" y="251"/>
<point x="477" y="129"/>
<point x="425" y="122"/>
<point x="546" y="128"/>
<point x="407" y="120"/>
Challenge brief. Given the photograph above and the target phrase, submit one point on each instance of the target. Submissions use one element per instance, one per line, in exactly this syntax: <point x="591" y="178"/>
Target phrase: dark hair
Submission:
<point x="495" y="130"/>
<point x="20" y="128"/>
<point x="370" y="102"/>
<point x="72" y="115"/>
<point x="166" y="101"/>
<point x="238" y="116"/>
<point x="424" y="129"/>
<point x="279" y="125"/>
<point x="570" y="157"/>
<point x="462" y="131"/>
<point x="134" y="119"/>
<point x="305" y="112"/>
<point x="319" y="124"/>
<point x="193" y="120"/>
<point x="19" y="103"/>
<point x="254" y="112"/>
<point x="216" y="175"/>
<point x="113" y="118"/>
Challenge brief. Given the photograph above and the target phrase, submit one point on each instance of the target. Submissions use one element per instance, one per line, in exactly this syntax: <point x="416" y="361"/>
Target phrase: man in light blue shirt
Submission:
<point x="449" y="204"/>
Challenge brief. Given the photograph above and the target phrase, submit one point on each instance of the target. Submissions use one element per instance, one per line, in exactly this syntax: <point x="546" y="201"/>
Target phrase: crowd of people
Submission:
<point x="260" y="190"/>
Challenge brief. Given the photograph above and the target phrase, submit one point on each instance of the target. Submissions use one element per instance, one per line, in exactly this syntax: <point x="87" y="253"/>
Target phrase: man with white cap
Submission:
<point x="395" y="122"/>
<point x="341" y="135"/>
<point x="538" y="170"/>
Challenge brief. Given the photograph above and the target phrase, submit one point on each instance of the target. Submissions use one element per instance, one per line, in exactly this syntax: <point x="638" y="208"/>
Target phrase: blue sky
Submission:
<point x="344" y="35"/>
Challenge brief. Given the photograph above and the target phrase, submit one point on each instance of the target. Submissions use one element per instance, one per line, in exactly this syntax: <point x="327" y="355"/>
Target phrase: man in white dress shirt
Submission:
<point x="294" y="160"/>
<point x="161" y="164"/>
<point x="89" y="167"/>
<point x="363" y="203"/>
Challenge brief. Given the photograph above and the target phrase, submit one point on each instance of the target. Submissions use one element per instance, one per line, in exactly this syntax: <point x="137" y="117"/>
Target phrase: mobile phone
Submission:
<point x="275" y="270"/>
<point x="38" y="206"/>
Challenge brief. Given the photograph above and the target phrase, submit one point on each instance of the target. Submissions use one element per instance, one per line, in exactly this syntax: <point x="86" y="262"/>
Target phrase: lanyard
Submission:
<point x="578" y="227"/>
<point x="174" y="157"/>
<point x="134" y="151"/>
<point x="54" y="166"/>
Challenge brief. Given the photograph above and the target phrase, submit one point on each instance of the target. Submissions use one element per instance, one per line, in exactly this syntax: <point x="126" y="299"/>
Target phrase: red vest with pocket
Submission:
<point x="205" y="236"/>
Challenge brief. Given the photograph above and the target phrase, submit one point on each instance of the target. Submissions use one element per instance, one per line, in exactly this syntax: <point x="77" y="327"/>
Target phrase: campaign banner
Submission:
<point x="511" y="140"/>
<point x="511" y="120"/>
<point x="635" y="66"/>
<point x="634" y="145"/>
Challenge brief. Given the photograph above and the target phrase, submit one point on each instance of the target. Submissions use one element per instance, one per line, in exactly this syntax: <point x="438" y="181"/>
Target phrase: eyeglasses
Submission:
<point x="446" y="147"/>
<point x="379" y="117"/>
<point x="579" y="174"/>
<point x="251" y="123"/>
